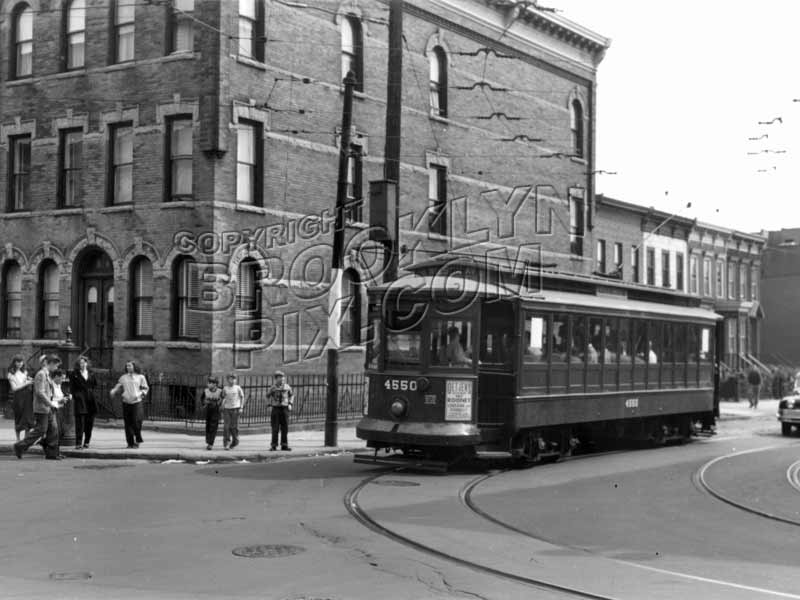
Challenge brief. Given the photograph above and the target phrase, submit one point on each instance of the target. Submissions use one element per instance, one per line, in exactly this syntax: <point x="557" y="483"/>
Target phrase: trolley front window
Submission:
<point x="451" y="343"/>
<point x="403" y="348"/>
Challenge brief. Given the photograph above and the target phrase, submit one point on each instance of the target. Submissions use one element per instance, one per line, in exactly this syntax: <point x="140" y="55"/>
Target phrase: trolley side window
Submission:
<point x="577" y="352"/>
<point x="560" y="338"/>
<point x="451" y="342"/>
<point x="537" y="334"/>
<point x="706" y="344"/>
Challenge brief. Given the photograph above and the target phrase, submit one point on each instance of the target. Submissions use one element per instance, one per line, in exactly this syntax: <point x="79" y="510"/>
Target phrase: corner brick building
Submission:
<point x="168" y="170"/>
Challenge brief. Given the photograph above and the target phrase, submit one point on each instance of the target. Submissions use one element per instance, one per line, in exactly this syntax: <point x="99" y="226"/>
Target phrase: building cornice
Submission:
<point x="489" y="26"/>
<point x="555" y="26"/>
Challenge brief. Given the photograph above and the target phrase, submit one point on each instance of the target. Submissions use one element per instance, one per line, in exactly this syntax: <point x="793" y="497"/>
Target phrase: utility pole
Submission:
<point x="337" y="264"/>
<point x="394" y="105"/>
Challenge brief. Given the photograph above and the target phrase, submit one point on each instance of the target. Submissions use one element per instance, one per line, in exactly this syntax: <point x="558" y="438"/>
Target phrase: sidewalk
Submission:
<point x="109" y="443"/>
<point x="731" y="411"/>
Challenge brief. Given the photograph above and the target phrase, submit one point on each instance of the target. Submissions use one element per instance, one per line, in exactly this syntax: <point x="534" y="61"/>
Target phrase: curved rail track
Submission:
<point x="792" y="475"/>
<point x="465" y="496"/>
<point x="355" y="509"/>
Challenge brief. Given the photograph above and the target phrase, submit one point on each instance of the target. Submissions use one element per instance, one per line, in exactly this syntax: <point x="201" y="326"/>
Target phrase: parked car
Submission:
<point x="789" y="413"/>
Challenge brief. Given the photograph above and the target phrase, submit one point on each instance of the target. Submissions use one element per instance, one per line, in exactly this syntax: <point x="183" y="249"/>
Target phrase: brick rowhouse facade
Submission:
<point x="719" y="266"/>
<point x="168" y="177"/>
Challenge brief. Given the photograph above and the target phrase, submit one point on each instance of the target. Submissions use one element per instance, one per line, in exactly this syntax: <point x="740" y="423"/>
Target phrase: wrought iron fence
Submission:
<point x="176" y="398"/>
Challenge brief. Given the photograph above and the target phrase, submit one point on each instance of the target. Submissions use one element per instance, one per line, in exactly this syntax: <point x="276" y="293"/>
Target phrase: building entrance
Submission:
<point x="95" y="278"/>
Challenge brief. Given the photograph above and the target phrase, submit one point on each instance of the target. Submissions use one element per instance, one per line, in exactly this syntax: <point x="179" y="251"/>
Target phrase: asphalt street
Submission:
<point x="637" y="524"/>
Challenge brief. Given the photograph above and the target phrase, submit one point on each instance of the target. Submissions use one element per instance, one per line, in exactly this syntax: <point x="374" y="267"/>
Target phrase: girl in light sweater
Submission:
<point x="133" y="386"/>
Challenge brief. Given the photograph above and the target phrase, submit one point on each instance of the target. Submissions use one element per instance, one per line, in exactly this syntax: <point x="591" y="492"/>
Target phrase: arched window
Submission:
<point x="350" y="331"/>
<point x="76" y="34"/>
<point x="248" y="302"/>
<point x="141" y="298"/>
<point x="438" y="85"/>
<point x="576" y="125"/>
<point x="12" y="300"/>
<point x="49" y="301"/>
<point x="22" y="42"/>
<point x="353" y="50"/>
<point x="186" y="299"/>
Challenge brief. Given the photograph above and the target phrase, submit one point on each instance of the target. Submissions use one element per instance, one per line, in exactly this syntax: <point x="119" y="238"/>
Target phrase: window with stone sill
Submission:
<point x="22" y="42"/>
<point x="181" y="25"/>
<point x="76" y="34"/>
<point x="124" y="30"/>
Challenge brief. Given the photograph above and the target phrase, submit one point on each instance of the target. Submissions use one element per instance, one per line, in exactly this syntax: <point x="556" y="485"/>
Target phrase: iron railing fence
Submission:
<point x="176" y="397"/>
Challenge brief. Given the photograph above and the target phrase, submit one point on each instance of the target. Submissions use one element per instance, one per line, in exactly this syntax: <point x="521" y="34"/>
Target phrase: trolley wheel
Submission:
<point x="786" y="428"/>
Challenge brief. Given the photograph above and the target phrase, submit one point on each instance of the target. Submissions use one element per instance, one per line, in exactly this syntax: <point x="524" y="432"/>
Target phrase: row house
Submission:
<point x="725" y="271"/>
<point x="641" y="245"/>
<point x="646" y="247"/>
<point x="168" y="170"/>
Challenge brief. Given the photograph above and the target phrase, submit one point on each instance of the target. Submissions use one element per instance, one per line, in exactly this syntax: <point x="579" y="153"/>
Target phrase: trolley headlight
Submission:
<point x="398" y="408"/>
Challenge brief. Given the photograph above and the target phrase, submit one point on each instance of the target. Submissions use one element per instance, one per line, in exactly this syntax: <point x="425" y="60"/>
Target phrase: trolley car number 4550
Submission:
<point x="403" y="385"/>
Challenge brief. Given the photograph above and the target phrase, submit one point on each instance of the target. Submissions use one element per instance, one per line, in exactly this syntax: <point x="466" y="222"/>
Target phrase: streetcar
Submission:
<point x="467" y="359"/>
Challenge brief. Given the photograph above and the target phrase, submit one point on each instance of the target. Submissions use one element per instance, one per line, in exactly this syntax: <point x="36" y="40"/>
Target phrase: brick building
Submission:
<point x="168" y="170"/>
<point x="724" y="269"/>
<point x="641" y="245"/>
<point x="719" y="266"/>
<point x="780" y="296"/>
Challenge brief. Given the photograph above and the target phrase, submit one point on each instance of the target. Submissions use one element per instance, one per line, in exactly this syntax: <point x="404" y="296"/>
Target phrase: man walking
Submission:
<point x="754" y="379"/>
<point x="280" y="396"/>
<point x="45" y="427"/>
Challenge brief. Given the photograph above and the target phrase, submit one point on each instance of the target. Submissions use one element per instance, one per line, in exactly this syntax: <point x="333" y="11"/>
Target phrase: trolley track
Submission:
<point x="357" y="512"/>
<point x="466" y="498"/>
<point x="792" y="475"/>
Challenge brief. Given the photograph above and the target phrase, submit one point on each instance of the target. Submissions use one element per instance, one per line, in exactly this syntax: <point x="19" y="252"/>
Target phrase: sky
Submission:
<point x="681" y="89"/>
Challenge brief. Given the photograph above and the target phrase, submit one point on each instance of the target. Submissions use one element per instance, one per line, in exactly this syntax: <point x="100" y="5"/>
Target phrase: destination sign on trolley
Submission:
<point x="458" y="400"/>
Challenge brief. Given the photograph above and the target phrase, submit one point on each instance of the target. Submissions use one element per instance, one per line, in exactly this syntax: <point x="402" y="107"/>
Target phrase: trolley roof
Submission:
<point x="453" y="288"/>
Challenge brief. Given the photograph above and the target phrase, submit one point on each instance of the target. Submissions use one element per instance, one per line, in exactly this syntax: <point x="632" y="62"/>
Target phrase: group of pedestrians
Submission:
<point x="37" y="402"/>
<point x="229" y="402"/>
<point x="38" y="419"/>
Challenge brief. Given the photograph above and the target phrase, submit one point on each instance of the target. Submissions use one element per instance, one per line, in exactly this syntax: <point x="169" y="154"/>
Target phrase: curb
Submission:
<point x="189" y="456"/>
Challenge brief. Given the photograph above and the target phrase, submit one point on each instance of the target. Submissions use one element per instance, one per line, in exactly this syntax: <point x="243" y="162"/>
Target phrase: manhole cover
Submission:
<point x="268" y="551"/>
<point x="71" y="576"/>
<point x="396" y="483"/>
<point x="98" y="467"/>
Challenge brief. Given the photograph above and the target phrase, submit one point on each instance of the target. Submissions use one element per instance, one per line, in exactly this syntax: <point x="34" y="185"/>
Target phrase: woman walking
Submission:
<point x="82" y="384"/>
<point x="22" y="387"/>
<point x="134" y="388"/>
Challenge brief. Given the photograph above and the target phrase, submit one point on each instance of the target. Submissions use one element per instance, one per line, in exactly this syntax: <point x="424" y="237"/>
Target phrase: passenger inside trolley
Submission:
<point x="453" y="352"/>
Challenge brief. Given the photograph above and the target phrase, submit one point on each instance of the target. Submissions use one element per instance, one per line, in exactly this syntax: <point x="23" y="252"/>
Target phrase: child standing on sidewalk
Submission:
<point x="281" y="397"/>
<point x="232" y="405"/>
<point x="59" y="399"/>
<point x="211" y="401"/>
